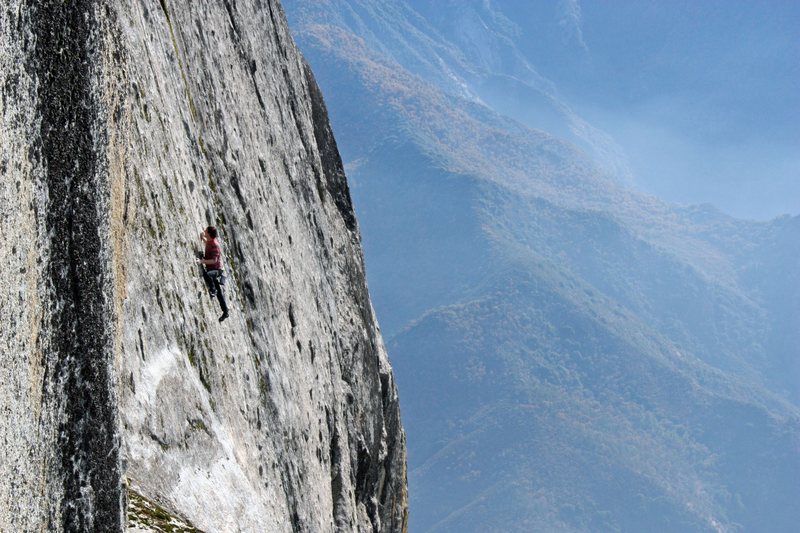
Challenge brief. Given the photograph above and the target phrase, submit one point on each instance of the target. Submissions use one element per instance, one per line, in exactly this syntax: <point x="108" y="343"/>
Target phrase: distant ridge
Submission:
<point x="571" y="355"/>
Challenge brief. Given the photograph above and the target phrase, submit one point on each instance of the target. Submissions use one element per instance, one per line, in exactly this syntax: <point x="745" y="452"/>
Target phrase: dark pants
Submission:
<point x="212" y="278"/>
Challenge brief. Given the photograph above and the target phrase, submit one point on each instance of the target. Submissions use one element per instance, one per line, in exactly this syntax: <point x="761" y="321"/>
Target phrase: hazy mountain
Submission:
<point x="702" y="98"/>
<point x="571" y="354"/>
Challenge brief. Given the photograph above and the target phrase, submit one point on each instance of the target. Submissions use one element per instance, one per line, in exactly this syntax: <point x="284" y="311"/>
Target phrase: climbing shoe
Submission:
<point x="224" y="316"/>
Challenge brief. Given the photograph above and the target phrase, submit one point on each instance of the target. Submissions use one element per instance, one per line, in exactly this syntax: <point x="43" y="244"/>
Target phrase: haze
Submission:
<point x="702" y="97"/>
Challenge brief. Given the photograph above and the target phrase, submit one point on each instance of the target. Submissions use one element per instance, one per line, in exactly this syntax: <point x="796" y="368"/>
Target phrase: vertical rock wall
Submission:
<point x="60" y="431"/>
<point x="126" y="128"/>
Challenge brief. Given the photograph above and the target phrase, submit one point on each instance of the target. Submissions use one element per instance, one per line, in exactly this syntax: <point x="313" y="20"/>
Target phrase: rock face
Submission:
<point x="127" y="128"/>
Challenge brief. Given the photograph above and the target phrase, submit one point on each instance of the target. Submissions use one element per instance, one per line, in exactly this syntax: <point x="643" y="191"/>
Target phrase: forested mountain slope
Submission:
<point x="572" y="354"/>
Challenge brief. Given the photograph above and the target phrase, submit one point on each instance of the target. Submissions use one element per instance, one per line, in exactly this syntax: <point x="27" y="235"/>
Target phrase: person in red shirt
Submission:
<point x="213" y="273"/>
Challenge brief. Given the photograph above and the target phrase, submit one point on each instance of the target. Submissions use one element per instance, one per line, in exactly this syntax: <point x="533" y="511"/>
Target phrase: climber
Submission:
<point x="213" y="274"/>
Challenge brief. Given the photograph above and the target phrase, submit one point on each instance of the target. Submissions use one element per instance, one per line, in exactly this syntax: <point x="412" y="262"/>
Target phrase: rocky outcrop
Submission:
<point x="127" y="128"/>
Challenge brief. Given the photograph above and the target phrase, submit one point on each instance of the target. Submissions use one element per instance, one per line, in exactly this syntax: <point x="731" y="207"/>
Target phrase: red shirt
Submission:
<point x="213" y="253"/>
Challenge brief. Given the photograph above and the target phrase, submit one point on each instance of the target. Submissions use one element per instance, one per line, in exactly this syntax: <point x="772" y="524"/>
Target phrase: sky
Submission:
<point x="703" y="97"/>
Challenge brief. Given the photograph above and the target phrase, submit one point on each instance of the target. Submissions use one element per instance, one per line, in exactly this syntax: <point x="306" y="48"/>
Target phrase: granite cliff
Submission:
<point x="126" y="128"/>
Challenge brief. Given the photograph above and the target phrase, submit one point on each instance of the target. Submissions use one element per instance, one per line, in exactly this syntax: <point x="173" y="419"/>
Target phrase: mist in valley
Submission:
<point x="581" y="238"/>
